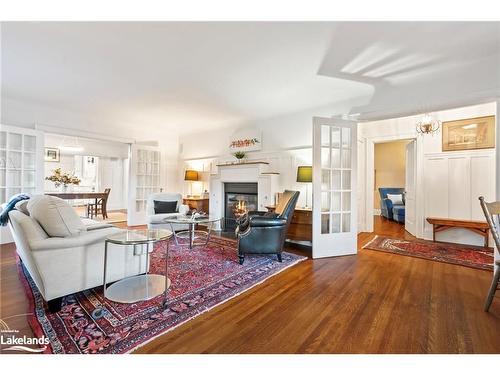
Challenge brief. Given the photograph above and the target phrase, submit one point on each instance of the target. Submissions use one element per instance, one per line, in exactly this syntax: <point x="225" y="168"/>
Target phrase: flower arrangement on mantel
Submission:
<point x="59" y="178"/>
<point x="240" y="155"/>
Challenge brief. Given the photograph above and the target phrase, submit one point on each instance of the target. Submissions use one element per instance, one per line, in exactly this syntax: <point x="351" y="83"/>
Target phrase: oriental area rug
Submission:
<point x="464" y="255"/>
<point x="202" y="278"/>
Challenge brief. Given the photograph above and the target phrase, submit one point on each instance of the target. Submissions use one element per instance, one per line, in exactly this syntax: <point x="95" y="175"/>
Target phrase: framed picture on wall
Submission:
<point x="469" y="134"/>
<point x="52" y="154"/>
<point x="247" y="139"/>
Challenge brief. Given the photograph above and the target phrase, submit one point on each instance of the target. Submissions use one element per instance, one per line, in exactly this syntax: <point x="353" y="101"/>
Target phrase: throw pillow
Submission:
<point x="165" y="207"/>
<point x="396" y="199"/>
<point x="22" y="207"/>
<point x="55" y="216"/>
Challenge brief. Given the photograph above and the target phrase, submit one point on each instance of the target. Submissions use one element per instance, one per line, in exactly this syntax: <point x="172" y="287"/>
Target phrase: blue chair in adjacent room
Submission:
<point x="389" y="209"/>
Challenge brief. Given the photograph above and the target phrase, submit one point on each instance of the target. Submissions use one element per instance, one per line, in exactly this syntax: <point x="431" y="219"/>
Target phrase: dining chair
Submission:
<point x="492" y="213"/>
<point x="99" y="207"/>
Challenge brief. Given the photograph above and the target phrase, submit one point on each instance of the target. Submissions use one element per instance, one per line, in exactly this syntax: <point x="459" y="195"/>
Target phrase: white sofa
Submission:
<point x="156" y="221"/>
<point x="66" y="264"/>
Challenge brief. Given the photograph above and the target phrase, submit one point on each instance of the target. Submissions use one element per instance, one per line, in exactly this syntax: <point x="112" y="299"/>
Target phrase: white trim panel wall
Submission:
<point x="452" y="184"/>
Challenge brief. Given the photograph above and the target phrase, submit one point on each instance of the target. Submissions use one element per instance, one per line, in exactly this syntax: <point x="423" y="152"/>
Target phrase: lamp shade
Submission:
<point x="304" y="173"/>
<point x="191" y="175"/>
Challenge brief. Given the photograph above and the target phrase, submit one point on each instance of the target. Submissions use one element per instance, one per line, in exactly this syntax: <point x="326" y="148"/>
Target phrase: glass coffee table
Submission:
<point x="192" y="236"/>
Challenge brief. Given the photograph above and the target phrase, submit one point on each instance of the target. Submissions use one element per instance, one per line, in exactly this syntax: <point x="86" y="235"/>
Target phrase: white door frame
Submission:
<point x="361" y="195"/>
<point x="370" y="178"/>
<point x="410" y="186"/>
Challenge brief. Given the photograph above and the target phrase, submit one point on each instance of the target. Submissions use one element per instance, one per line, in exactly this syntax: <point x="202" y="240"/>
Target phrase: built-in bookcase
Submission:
<point x="144" y="181"/>
<point x="21" y="158"/>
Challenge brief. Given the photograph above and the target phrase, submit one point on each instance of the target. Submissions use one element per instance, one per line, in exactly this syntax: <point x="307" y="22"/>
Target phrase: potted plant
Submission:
<point x="240" y="155"/>
<point x="63" y="179"/>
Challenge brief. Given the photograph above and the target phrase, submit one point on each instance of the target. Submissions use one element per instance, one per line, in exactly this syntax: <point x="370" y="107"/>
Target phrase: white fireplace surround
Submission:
<point x="267" y="184"/>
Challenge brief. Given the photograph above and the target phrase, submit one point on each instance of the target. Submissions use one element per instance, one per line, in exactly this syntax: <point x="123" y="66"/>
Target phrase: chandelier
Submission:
<point x="428" y="125"/>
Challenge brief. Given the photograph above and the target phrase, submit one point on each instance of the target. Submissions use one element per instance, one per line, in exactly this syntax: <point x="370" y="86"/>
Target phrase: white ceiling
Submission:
<point x="185" y="77"/>
<point x="417" y="66"/>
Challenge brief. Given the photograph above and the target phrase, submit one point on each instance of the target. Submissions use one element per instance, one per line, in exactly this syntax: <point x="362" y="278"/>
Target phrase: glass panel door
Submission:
<point x="334" y="225"/>
<point x="21" y="159"/>
<point x="144" y="181"/>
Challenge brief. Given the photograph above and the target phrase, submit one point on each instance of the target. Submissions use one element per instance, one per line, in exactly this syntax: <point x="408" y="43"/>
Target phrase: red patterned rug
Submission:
<point x="464" y="255"/>
<point x="202" y="278"/>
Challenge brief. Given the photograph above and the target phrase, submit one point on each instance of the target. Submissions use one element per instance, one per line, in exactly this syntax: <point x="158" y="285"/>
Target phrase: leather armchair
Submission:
<point x="265" y="232"/>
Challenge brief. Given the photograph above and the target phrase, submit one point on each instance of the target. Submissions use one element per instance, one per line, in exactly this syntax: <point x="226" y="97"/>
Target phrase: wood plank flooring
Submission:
<point x="373" y="302"/>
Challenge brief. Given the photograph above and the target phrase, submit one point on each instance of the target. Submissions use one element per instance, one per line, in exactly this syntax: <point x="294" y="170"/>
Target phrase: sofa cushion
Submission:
<point x="95" y="225"/>
<point x="399" y="213"/>
<point x="396" y="199"/>
<point x="165" y="207"/>
<point x="55" y="216"/>
<point x="22" y="206"/>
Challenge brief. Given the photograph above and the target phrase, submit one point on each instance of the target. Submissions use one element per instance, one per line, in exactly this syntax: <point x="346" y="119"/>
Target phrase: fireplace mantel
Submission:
<point x="267" y="183"/>
<point x="243" y="163"/>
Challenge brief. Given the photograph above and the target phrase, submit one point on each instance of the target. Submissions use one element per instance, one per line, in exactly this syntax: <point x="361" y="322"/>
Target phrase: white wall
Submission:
<point x="286" y="144"/>
<point x="448" y="183"/>
<point x="27" y="114"/>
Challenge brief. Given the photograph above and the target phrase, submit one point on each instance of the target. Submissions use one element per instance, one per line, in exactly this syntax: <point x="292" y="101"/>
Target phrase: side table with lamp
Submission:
<point x="304" y="175"/>
<point x="191" y="176"/>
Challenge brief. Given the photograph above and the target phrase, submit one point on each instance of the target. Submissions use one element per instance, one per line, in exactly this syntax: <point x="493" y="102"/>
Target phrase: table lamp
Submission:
<point x="191" y="175"/>
<point x="304" y="174"/>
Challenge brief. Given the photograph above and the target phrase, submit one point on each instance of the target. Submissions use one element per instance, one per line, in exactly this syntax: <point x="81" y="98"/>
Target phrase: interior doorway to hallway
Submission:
<point x="394" y="197"/>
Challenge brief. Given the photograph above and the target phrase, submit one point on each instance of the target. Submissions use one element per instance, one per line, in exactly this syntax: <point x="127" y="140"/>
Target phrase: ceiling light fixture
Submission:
<point x="428" y="125"/>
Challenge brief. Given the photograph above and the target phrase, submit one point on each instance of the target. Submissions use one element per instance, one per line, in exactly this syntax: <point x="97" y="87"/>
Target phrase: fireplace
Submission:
<point x="239" y="198"/>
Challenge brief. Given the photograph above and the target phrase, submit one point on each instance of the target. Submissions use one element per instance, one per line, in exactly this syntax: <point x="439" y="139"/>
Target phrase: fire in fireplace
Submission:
<point x="240" y="197"/>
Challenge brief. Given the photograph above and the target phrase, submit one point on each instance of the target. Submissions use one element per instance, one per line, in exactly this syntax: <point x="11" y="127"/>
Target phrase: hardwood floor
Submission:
<point x="373" y="302"/>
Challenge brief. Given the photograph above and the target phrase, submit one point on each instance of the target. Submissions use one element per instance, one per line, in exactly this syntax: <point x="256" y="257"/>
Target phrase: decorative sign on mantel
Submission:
<point x="247" y="139"/>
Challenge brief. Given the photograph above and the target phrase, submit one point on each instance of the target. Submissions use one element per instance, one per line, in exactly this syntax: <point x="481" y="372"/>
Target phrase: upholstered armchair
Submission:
<point x="156" y="220"/>
<point x="265" y="232"/>
<point x="388" y="209"/>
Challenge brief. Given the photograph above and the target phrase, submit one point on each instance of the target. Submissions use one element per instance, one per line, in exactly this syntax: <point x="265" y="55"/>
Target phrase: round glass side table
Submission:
<point x="141" y="287"/>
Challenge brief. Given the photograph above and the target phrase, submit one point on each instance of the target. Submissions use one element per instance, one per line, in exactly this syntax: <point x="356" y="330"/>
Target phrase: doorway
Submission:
<point x="95" y="164"/>
<point x="394" y="172"/>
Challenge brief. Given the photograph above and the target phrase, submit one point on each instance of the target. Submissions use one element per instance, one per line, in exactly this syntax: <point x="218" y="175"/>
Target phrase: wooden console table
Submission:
<point x="198" y="204"/>
<point x="83" y="195"/>
<point x="301" y="225"/>
<point x="441" y="224"/>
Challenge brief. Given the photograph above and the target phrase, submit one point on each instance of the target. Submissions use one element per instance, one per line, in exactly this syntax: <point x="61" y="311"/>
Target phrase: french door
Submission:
<point x="334" y="187"/>
<point x="144" y="180"/>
